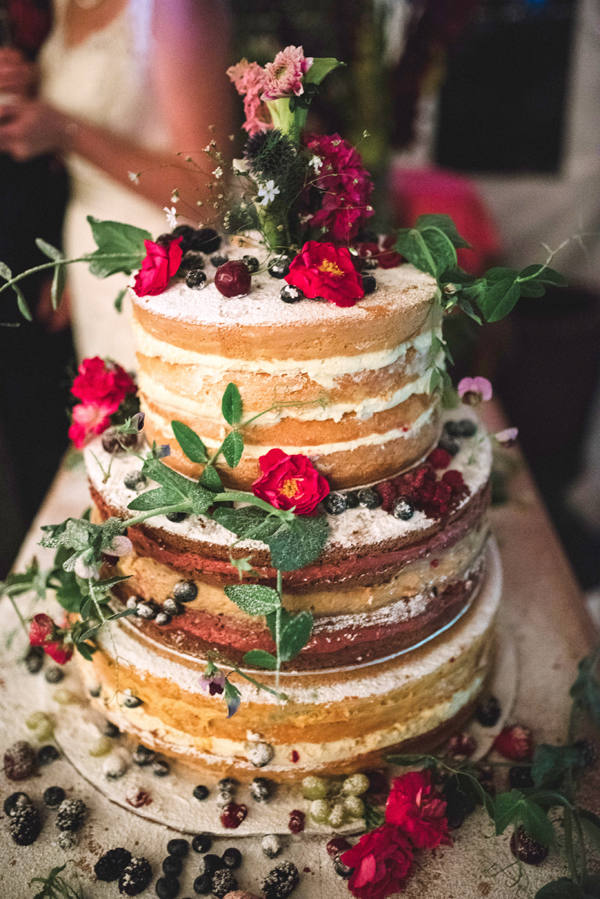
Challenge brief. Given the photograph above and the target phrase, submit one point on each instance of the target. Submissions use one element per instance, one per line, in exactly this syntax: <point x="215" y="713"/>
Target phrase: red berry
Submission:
<point x="461" y="745"/>
<point x="337" y="845"/>
<point x="453" y="479"/>
<point x="233" y="279"/>
<point x="233" y="815"/>
<point x="439" y="458"/>
<point x="20" y="761"/>
<point x="527" y="849"/>
<point x="515" y="743"/>
<point x="59" y="652"/>
<point x="297" y="821"/>
<point x="137" y="797"/>
<point x="40" y="630"/>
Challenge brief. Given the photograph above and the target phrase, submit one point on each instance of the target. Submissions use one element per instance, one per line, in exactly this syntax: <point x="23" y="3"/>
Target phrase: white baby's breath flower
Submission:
<point x="171" y="215"/>
<point x="240" y="166"/>
<point x="316" y="163"/>
<point x="134" y="176"/>
<point x="268" y="192"/>
<point x="175" y="196"/>
<point x="218" y="172"/>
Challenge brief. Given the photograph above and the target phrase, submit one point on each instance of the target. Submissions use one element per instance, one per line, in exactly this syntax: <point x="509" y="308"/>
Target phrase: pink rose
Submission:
<point x="416" y="806"/>
<point x="323" y="270"/>
<point x="88" y="421"/>
<point x="284" y="75"/>
<point x="102" y="383"/>
<point x="290" y="482"/>
<point x="158" y="267"/>
<point x="382" y="862"/>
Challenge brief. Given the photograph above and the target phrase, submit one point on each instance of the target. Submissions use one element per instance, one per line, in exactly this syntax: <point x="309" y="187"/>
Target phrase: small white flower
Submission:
<point x="218" y="172"/>
<point x="86" y="569"/>
<point x="171" y="215"/>
<point x="134" y="176"/>
<point x="175" y="196"/>
<point x="268" y="193"/>
<point x="120" y="546"/>
<point x="240" y="166"/>
<point x="317" y="163"/>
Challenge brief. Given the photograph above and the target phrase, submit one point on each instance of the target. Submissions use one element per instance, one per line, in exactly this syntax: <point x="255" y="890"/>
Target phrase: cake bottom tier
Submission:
<point x="333" y="722"/>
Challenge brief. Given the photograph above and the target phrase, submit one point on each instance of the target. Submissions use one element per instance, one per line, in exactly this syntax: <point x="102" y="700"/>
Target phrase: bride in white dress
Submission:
<point x="125" y="86"/>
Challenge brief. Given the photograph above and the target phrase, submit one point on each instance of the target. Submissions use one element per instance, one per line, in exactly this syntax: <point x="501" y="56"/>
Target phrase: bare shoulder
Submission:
<point x="188" y="22"/>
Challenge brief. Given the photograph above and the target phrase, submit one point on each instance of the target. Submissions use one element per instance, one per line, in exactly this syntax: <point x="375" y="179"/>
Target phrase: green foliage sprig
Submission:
<point x="56" y="887"/>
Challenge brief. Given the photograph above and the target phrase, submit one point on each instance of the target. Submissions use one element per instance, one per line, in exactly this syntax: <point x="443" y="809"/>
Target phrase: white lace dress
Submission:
<point x="105" y="80"/>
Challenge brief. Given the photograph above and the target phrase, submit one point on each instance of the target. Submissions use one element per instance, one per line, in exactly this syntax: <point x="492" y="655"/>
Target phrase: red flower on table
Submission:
<point x="158" y="267"/>
<point x="415" y="805"/>
<point x="290" y="482"/>
<point x="382" y="862"/>
<point x="323" y="270"/>
<point x="44" y="632"/>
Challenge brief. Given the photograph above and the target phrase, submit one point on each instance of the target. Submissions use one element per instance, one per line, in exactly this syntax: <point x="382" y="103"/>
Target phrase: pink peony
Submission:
<point x="345" y="185"/>
<point x="249" y="80"/>
<point x="473" y="390"/>
<point x="284" y="75"/>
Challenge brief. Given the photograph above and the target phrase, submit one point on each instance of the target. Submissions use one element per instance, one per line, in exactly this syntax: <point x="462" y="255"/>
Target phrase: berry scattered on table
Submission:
<point x="461" y="746"/>
<point x="167" y="887"/>
<point x="24" y="825"/>
<point x="135" y="877"/>
<point x="515" y="743"/>
<point x="201" y="792"/>
<point x="335" y="503"/>
<point x="519" y="777"/>
<point x="210" y="863"/>
<point x="233" y="815"/>
<point x="320" y="809"/>
<point x="354" y="806"/>
<point x="526" y="849"/>
<point x="102" y="746"/>
<point x="314" y="787"/>
<point x="205" y="240"/>
<point x="232" y="857"/>
<point x="196" y="279"/>
<point x="54" y="675"/>
<point x="71" y="814"/>
<point x="202" y="842"/>
<point x="185" y="591"/>
<point x="47" y="754"/>
<point x="336" y="846"/>
<point x="261" y="789"/>
<point x="488" y="711"/>
<point x="16" y="801"/>
<point x="20" y="761"/>
<point x="178" y="847"/>
<point x="297" y="821"/>
<point x="110" y="865"/>
<point x="233" y="279"/>
<point x="172" y="865"/>
<point x="203" y="885"/>
<point x="67" y="839"/>
<point x="281" y="881"/>
<point x="53" y="796"/>
<point x="271" y="845"/>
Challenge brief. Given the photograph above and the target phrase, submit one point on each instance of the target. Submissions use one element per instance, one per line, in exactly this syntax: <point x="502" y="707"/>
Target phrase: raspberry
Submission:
<point x="71" y="814"/>
<point x="515" y="743"/>
<point x="41" y="630"/>
<point x="233" y="815"/>
<point x="527" y="849"/>
<point x="110" y="865"/>
<point x="20" y="761"/>
<point x="453" y="479"/>
<point x="439" y="458"/>
<point x="387" y="492"/>
<point x="297" y="821"/>
<point x="24" y="825"/>
<point x="280" y="881"/>
<point x="461" y="746"/>
<point x="135" y="877"/>
<point x="233" y="279"/>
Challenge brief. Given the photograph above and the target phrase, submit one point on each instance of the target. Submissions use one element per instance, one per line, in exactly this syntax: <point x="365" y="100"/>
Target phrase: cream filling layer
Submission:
<point x="253" y="451"/>
<point x="317" y="411"/>
<point x="322" y="371"/>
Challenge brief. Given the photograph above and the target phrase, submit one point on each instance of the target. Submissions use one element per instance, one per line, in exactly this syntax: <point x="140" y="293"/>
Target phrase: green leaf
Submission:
<point x="59" y="282"/>
<point x="499" y="299"/>
<point x="119" y="299"/>
<point x="320" y="68"/>
<point x="506" y="809"/>
<point x="261" y="659"/>
<point x="299" y="542"/>
<point x="243" y="522"/>
<point x="152" y="499"/>
<point x="543" y="274"/>
<point x="176" y="483"/>
<point x="232" y="448"/>
<point x="412" y="246"/>
<point x="410" y="761"/>
<point x="532" y="289"/>
<point x="253" y="599"/>
<point x="551" y="763"/>
<point x="536" y="822"/>
<point x="591" y="886"/>
<point x="190" y="442"/>
<point x="124" y="242"/>
<point x="5" y="272"/>
<point x="201" y="499"/>
<point x="211" y="480"/>
<point x="85" y="650"/>
<point x="284" y="620"/>
<point x="561" y="889"/>
<point x="444" y="224"/>
<point x="295" y="635"/>
<point x="231" y="405"/>
<point x="591" y="824"/>
<point x="69" y="593"/>
<point x="22" y="303"/>
<point x="374" y="816"/>
<point x="586" y="689"/>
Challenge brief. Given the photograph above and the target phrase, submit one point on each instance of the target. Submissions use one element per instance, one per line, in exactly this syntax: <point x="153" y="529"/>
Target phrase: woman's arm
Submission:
<point x="194" y="98"/>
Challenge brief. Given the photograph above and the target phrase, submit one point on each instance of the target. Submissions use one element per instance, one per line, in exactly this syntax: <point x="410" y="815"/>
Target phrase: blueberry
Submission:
<point x="161" y="768"/>
<point x="143" y="756"/>
<point x="186" y="232"/>
<point x="47" y="754"/>
<point x="369" y="284"/>
<point x="54" y="675"/>
<point x="96" y="691"/>
<point x="352" y="500"/>
<point x="252" y="263"/>
<point x="464" y="427"/>
<point x="279" y="266"/>
<point x="172" y="865"/>
<point x="16" y="801"/>
<point x="200" y="792"/>
<point x="34" y="660"/>
<point x="261" y="789"/>
<point x="162" y="619"/>
<point x="202" y="842"/>
<point x="176" y="516"/>
<point x="203" y="885"/>
<point x="191" y="260"/>
<point x="520" y="777"/>
<point x="448" y="444"/>
<point x="111" y="730"/>
<point x="178" y="847"/>
<point x="167" y="887"/>
<point x="172" y="607"/>
<point x="228" y="784"/>
<point x="209" y="864"/>
<point x="146" y="610"/>
<point x="232" y="857"/>
<point x="488" y="711"/>
<point x="291" y="294"/>
<point x="135" y="480"/>
<point x="130" y="701"/>
<point x="218" y="260"/>
<point x="53" y="796"/>
<point x="403" y="509"/>
<point x="369" y="498"/>
<point x="185" y="591"/>
<point x="335" y="503"/>
<point x="196" y="279"/>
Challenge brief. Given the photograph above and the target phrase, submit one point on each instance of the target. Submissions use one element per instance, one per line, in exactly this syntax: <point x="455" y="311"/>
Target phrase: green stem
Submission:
<point x="238" y="496"/>
<point x="258" y="684"/>
<point x="18" y="613"/>
<point x="56" y="262"/>
<point x="184" y="506"/>
<point x="569" y="851"/>
<point x="278" y="625"/>
<point x="581" y="841"/>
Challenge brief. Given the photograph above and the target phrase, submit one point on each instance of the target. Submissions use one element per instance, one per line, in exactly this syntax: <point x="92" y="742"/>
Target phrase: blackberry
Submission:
<point x="201" y="792"/>
<point x="209" y="864"/>
<point x="369" y="283"/>
<point x="488" y="711"/>
<point x="172" y="865"/>
<point x="260" y="754"/>
<point x="16" y="801"/>
<point x="202" y="842"/>
<point x="403" y="509"/>
<point x="352" y="500"/>
<point x="519" y="777"/>
<point x="218" y="260"/>
<point x="252" y="263"/>
<point x="163" y="240"/>
<point x="20" y="761"/>
<point x="261" y="789"/>
<point x="196" y="279"/>
<point x="369" y="498"/>
<point x="167" y="887"/>
<point x="67" y="839"/>
<point x="232" y="857"/>
<point x="191" y="260"/>
<point x="588" y="751"/>
<point x="178" y="848"/>
<point x="135" y="877"/>
<point x="203" y="885"/>
<point x="71" y="814"/>
<point x="223" y="882"/>
<point x="24" y="825"/>
<point x="335" y="503"/>
<point x="172" y="607"/>
<point x="34" y="660"/>
<point x="110" y="865"/>
<point x="185" y="591"/>
<point x="47" y="754"/>
<point x="448" y="444"/>
<point x="160" y="768"/>
<point x="526" y="849"/>
<point x="146" y="610"/>
<point x="205" y="240"/>
<point x="176" y="517"/>
<point x="111" y="730"/>
<point x="341" y="869"/>
<point x="279" y="267"/>
<point x="135" y="480"/>
<point x="291" y="294"/>
<point x="53" y="796"/>
<point x="186" y="232"/>
<point x="464" y="427"/>
<point x="271" y="845"/>
<point x="143" y="756"/>
<point x="280" y="881"/>
<point x="54" y="675"/>
<point x="130" y="701"/>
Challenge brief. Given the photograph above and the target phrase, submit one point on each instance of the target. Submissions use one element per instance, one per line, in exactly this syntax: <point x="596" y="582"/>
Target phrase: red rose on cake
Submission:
<point x="324" y="270"/>
<point x="158" y="267"/>
<point x="382" y="862"/>
<point x="101" y="385"/>
<point x="290" y="482"/>
<point x="415" y="805"/>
